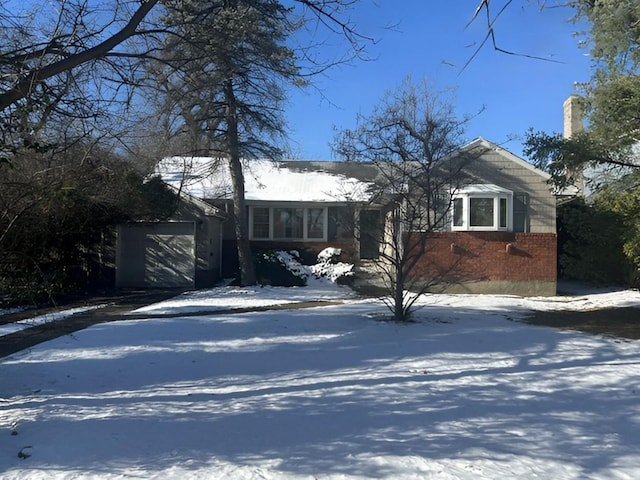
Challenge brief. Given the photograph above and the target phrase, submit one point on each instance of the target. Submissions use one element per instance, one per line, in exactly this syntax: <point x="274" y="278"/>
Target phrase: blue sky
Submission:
<point x="430" y="41"/>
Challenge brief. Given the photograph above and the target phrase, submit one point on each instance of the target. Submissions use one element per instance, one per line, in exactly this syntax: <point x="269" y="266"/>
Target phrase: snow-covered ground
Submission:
<point x="465" y="392"/>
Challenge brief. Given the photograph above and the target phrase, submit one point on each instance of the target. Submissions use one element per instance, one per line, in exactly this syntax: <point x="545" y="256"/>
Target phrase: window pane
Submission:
<point x="260" y="223"/>
<point x="287" y="223"/>
<point x="457" y="212"/>
<point x="503" y="213"/>
<point x="315" y="223"/>
<point x="481" y="212"/>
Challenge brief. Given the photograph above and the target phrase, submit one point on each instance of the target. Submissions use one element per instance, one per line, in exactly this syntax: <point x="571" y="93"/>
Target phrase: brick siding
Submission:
<point x="490" y="256"/>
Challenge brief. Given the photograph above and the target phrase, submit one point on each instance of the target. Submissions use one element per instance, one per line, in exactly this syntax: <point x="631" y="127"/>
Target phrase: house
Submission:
<point x="500" y="232"/>
<point x="301" y="205"/>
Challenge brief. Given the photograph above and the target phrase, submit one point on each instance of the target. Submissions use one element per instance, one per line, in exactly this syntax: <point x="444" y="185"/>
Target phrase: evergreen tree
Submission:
<point x="223" y="72"/>
<point x="611" y="98"/>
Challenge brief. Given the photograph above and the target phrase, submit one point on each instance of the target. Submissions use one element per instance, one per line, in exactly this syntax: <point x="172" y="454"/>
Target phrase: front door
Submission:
<point x="370" y="234"/>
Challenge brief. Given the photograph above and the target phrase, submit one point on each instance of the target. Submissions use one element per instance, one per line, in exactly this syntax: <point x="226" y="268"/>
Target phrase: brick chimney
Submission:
<point x="573" y="116"/>
<point x="573" y="123"/>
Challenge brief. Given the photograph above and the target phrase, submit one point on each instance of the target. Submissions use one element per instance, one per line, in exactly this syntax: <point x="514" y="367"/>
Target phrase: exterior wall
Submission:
<point x="502" y="168"/>
<point x="491" y="262"/>
<point x="480" y="261"/>
<point x="207" y="251"/>
<point x="208" y="230"/>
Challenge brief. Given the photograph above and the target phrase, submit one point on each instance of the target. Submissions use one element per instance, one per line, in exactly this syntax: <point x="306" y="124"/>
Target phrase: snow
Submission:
<point x="204" y="177"/>
<point x="467" y="391"/>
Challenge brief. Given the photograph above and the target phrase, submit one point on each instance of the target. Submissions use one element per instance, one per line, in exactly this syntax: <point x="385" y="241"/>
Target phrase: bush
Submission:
<point x="57" y="221"/>
<point x="271" y="270"/>
<point x="590" y="245"/>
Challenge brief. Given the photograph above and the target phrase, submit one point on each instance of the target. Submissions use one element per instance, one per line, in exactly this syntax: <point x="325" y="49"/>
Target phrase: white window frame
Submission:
<point x="488" y="191"/>
<point x="305" y="223"/>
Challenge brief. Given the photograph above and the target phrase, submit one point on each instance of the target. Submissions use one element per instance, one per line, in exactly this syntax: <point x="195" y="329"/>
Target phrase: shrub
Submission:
<point x="271" y="269"/>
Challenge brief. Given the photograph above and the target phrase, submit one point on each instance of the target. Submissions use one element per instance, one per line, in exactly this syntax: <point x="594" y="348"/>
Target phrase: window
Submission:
<point x="260" y="223"/>
<point x="288" y="223"/>
<point x="458" y="216"/>
<point x="315" y="223"/>
<point x="520" y="212"/>
<point x="482" y="207"/>
<point x="481" y="212"/>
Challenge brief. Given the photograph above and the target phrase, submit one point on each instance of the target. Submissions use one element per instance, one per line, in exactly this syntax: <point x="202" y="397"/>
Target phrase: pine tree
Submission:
<point x="224" y="71"/>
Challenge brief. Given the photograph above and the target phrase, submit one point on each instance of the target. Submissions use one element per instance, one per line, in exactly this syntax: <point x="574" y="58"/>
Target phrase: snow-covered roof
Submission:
<point x="299" y="181"/>
<point x="295" y="180"/>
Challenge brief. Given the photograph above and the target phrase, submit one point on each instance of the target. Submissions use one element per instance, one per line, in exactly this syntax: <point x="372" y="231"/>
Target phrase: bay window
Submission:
<point x="483" y="207"/>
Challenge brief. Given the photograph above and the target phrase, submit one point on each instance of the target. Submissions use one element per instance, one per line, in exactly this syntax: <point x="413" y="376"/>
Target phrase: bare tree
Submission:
<point x="414" y="138"/>
<point x="33" y="54"/>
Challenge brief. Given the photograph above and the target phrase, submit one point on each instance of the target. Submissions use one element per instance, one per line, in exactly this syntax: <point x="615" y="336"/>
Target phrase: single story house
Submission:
<point x="500" y="230"/>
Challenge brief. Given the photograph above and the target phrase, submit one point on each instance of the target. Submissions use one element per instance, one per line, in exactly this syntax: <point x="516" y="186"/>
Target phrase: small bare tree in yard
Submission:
<point x="415" y="140"/>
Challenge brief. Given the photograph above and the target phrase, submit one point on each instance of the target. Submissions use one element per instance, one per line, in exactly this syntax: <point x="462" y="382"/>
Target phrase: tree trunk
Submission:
<point x="245" y="258"/>
<point x="398" y="295"/>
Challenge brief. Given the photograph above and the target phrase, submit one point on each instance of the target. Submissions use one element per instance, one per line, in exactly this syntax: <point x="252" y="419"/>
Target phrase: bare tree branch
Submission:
<point x="484" y="4"/>
<point x="37" y="76"/>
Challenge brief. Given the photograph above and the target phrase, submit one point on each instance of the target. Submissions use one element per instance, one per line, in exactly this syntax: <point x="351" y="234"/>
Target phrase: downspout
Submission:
<point x="220" y="251"/>
<point x="221" y="235"/>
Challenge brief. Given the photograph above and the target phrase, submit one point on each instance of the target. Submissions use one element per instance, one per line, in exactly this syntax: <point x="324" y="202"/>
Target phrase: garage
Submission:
<point x="156" y="255"/>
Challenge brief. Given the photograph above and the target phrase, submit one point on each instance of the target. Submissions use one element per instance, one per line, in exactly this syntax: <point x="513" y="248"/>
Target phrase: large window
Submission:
<point x="481" y="212"/>
<point x="483" y="207"/>
<point x="315" y="223"/>
<point x="288" y="223"/>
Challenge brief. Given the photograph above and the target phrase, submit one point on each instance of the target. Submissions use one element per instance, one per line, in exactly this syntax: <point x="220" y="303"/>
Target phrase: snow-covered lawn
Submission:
<point x="466" y="392"/>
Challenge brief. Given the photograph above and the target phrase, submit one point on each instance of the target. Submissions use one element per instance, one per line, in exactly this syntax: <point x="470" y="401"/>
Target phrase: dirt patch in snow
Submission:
<point x="621" y="322"/>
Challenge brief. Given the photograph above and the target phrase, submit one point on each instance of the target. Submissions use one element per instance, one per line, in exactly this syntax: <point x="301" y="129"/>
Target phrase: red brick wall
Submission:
<point x="490" y="256"/>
